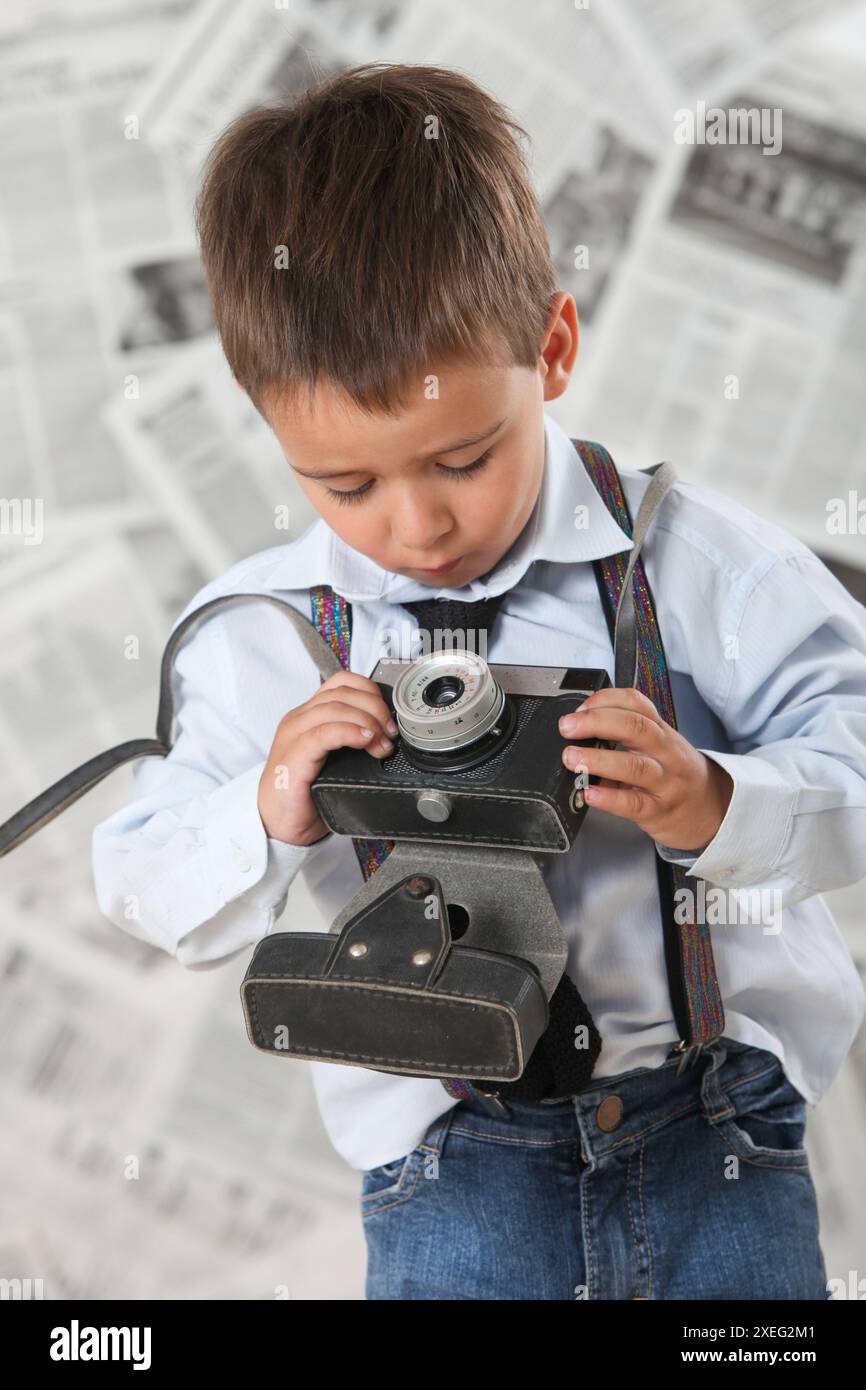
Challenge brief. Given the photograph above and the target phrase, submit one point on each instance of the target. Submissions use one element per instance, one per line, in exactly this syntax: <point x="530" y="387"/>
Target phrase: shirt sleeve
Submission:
<point x="188" y="865"/>
<point x="795" y="716"/>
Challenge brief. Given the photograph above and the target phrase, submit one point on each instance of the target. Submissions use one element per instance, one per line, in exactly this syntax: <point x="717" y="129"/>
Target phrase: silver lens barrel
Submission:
<point x="447" y="700"/>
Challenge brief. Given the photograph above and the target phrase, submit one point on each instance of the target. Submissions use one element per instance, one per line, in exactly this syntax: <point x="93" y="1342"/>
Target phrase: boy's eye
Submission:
<point x="354" y="496"/>
<point x="357" y="493"/>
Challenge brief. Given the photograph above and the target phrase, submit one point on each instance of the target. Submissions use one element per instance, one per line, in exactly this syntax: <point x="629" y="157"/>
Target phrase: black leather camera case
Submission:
<point x="397" y="992"/>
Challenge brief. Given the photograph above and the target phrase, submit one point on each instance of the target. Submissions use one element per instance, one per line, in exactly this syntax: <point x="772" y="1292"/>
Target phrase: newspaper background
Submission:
<point x="704" y="263"/>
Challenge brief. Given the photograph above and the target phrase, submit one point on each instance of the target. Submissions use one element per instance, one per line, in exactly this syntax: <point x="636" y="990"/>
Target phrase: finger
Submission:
<point x="623" y="697"/>
<point x="372" y="704"/>
<point x="350" y="678"/>
<point x="626" y="726"/>
<point x="314" y="744"/>
<point x="629" y="803"/>
<point x="330" y="711"/>
<point x="623" y="766"/>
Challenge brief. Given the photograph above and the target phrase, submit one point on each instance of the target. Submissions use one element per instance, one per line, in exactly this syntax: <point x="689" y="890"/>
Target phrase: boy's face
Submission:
<point x="417" y="508"/>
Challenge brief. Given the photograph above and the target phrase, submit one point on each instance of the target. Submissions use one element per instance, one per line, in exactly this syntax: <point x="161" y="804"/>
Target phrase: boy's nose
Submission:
<point x="426" y="545"/>
<point x="421" y="528"/>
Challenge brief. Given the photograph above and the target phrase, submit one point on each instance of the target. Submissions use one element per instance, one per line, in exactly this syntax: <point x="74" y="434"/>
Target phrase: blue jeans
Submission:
<point x="653" y="1184"/>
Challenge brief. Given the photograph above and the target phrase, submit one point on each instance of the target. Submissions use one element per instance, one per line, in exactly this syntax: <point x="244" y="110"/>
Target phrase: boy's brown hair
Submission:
<point x="404" y="244"/>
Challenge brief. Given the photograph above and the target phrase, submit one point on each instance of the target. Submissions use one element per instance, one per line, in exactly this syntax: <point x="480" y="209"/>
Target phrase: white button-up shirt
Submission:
<point x="767" y="659"/>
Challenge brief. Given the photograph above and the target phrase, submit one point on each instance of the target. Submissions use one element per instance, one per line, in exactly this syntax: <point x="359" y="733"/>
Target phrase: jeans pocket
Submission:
<point x="767" y="1125"/>
<point x="384" y="1178"/>
<point x="392" y="1184"/>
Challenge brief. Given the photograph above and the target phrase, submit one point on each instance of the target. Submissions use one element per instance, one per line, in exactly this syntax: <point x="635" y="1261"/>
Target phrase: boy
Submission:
<point x="382" y="284"/>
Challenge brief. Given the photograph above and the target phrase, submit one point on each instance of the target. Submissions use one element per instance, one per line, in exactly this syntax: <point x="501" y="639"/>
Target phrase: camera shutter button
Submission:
<point x="433" y="805"/>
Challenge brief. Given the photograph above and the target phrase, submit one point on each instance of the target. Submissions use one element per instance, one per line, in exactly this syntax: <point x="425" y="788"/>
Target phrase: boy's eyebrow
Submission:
<point x="450" y="449"/>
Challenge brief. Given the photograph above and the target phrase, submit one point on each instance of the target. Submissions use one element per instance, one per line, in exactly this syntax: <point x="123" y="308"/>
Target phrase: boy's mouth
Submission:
<point x="442" y="569"/>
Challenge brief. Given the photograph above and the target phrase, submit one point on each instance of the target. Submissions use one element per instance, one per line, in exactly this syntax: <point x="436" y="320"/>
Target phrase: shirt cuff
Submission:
<point x="241" y="855"/>
<point x="752" y="837"/>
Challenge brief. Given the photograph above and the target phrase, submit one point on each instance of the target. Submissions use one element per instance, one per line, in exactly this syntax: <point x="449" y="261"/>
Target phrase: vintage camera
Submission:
<point x="478" y="759"/>
<point x="443" y="963"/>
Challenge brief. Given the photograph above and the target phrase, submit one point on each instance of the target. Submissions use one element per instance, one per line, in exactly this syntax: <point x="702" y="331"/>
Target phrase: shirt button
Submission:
<point x="609" y="1113"/>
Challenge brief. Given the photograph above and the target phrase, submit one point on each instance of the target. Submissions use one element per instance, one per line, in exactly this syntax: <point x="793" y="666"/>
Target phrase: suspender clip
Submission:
<point x="690" y="1052"/>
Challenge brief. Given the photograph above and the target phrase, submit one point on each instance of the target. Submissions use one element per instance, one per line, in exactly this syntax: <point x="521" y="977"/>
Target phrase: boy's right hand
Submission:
<point x="347" y="711"/>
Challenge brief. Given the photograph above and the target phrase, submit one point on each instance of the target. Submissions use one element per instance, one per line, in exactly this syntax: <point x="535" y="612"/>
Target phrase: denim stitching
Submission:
<point x="758" y="1156"/>
<point x="630" y="1206"/>
<point x="638" y="1154"/>
<point x="751" y="1076"/>
<point x="651" y="1128"/>
<point x="399" y="1198"/>
<point x="496" y="1139"/>
<point x="433" y="1145"/>
<point x="585" y="1204"/>
<point x="509" y="1139"/>
<point x="649" y="1248"/>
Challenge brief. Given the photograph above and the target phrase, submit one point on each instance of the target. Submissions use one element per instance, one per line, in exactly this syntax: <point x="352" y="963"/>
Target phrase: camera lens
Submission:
<point x="443" y="691"/>
<point x="447" y="700"/>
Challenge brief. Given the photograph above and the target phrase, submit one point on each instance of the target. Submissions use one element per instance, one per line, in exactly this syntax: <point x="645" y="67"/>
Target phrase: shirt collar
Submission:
<point x="568" y="523"/>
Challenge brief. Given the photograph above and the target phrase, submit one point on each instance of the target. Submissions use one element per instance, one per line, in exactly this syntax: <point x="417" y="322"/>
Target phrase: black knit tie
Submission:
<point x="558" y="1066"/>
<point x="448" y="614"/>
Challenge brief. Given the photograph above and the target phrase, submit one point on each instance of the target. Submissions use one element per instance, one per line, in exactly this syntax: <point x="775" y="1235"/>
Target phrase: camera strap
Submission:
<point x="61" y="794"/>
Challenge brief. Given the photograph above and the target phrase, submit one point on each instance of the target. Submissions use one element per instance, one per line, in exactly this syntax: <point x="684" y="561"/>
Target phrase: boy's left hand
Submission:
<point x="658" y="780"/>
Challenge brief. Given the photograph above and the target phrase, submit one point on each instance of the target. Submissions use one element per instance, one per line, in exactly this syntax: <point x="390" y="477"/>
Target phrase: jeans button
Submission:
<point x="609" y="1113"/>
